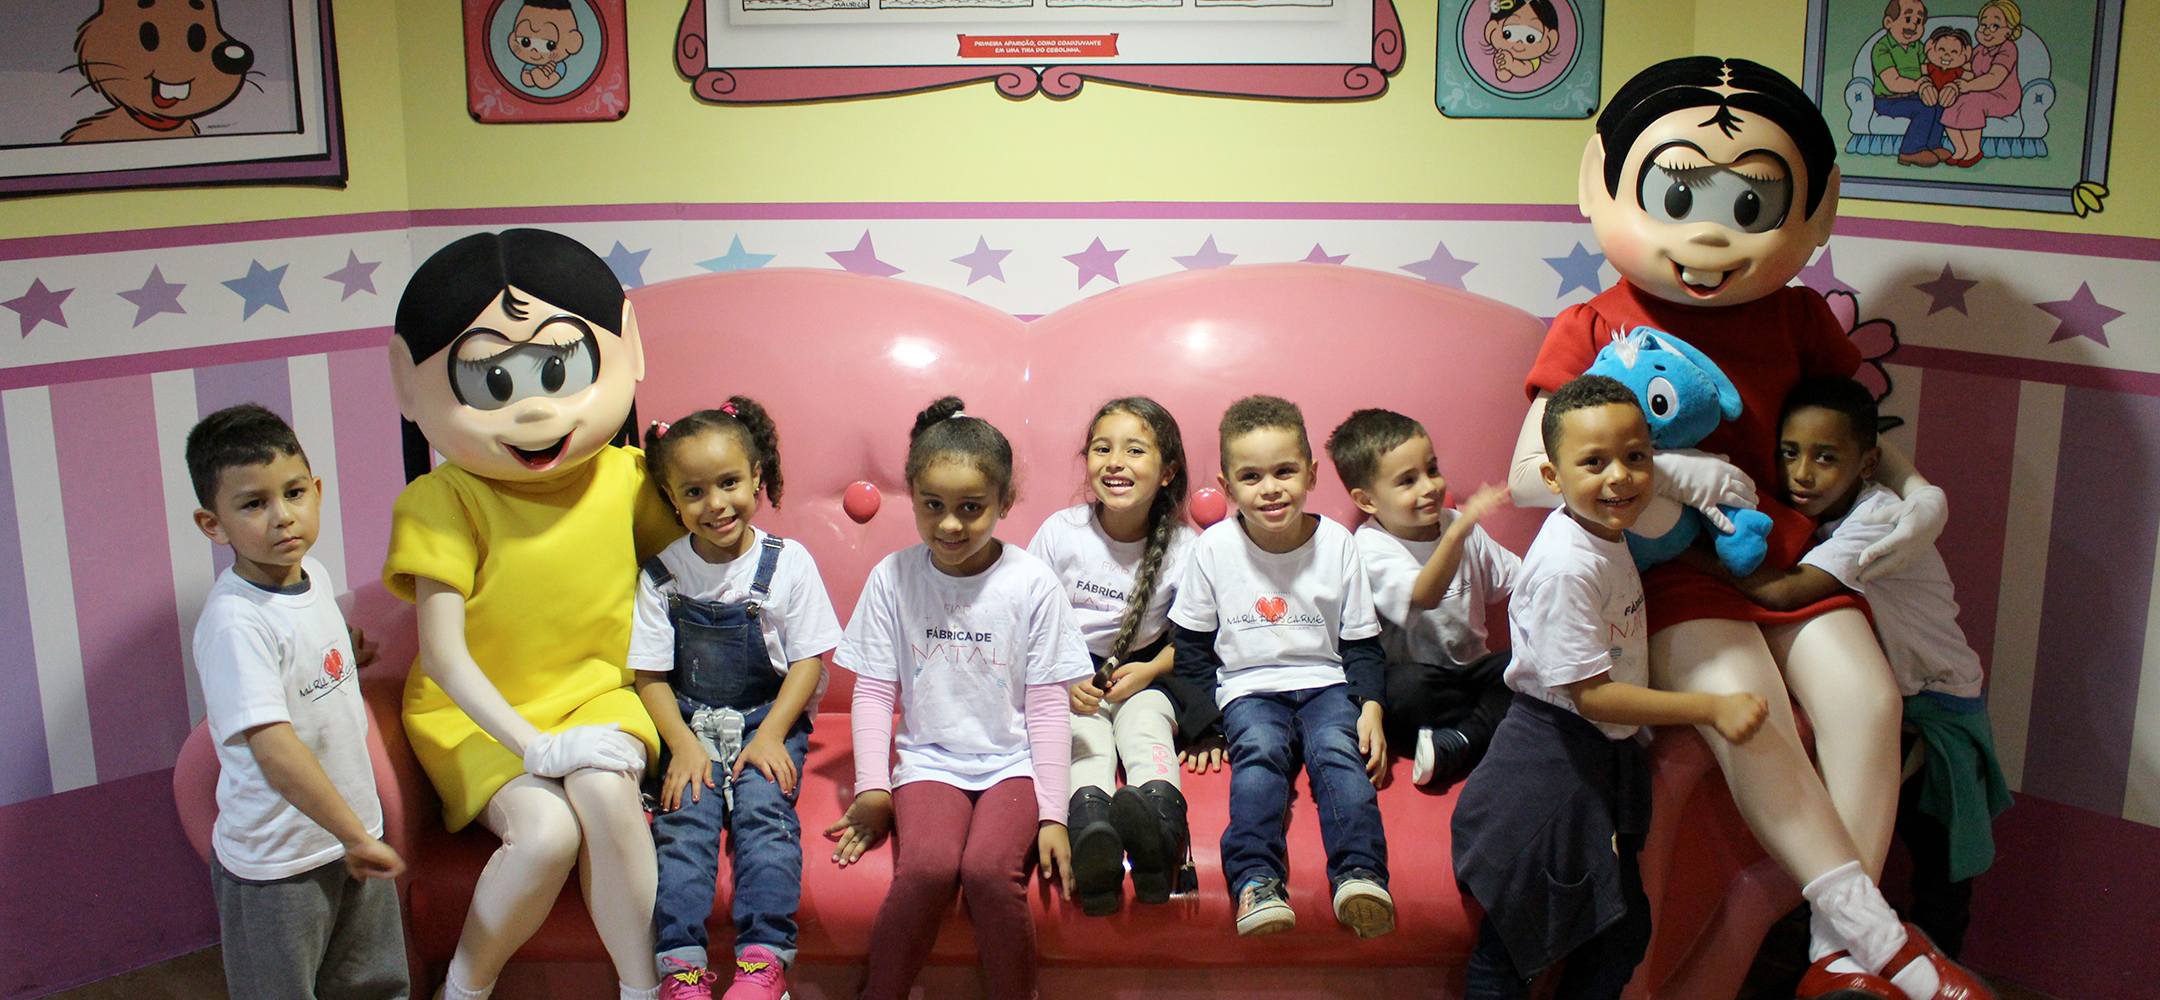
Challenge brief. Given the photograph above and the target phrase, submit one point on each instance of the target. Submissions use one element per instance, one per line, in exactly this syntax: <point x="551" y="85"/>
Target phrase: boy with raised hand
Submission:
<point x="303" y="881"/>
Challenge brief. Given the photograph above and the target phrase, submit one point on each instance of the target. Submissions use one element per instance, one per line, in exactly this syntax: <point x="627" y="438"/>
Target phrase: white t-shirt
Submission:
<point x="1577" y="613"/>
<point x="797" y="619"/>
<point x="964" y="650"/>
<point x="1915" y="610"/>
<point x="1453" y="633"/>
<point x="1277" y="618"/>
<point x="1097" y="572"/>
<point x="266" y="657"/>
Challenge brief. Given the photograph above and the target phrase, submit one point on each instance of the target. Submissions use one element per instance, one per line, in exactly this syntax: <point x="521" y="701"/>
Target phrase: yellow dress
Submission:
<point x="548" y="571"/>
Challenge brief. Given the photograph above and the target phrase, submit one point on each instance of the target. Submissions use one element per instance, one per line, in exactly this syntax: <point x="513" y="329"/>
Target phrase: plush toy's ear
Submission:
<point x="1728" y="395"/>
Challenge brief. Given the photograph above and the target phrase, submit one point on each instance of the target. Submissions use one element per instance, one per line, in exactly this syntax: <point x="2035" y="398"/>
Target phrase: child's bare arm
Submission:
<point x="1439" y="571"/>
<point x="295" y="774"/>
<point x="1775" y="589"/>
<point x="767" y="751"/>
<point x="1602" y="699"/>
<point x="689" y="766"/>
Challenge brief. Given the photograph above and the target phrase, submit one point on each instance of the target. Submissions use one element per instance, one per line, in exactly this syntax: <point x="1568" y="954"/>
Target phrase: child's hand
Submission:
<point x="1085" y="697"/>
<point x="868" y="820"/>
<point x="363" y="651"/>
<point x="1487" y="499"/>
<point x="1208" y="754"/>
<point x="1054" y="850"/>
<point x="1949" y="94"/>
<point x="770" y="757"/>
<point x="690" y="768"/>
<point x="1738" y="716"/>
<point x="1372" y="743"/>
<point x="1130" y="679"/>
<point x="371" y="858"/>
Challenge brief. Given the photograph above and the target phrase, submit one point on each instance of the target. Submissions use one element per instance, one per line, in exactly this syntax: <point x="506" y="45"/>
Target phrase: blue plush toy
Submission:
<point x="1684" y="396"/>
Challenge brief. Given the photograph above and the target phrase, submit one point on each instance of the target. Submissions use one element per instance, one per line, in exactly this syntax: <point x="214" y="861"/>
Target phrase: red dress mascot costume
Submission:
<point x="1709" y="183"/>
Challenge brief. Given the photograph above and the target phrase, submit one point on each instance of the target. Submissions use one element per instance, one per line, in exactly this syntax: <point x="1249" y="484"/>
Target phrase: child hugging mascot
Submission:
<point x="1709" y="183"/>
<point x="516" y="355"/>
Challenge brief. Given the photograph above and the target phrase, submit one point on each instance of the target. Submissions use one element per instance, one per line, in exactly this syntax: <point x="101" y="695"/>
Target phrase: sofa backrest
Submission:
<point x="844" y="361"/>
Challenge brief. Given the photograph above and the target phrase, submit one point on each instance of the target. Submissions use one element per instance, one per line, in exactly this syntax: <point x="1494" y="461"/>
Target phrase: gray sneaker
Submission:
<point x="1263" y="907"/>
<point x="1363" y="904"/>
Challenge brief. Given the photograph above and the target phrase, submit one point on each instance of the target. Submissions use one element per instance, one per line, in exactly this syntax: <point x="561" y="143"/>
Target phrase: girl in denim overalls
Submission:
<point x="730" y="623"/>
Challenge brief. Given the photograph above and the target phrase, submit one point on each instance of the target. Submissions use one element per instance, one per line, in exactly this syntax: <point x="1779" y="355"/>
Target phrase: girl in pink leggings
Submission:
<point x="973" y="640"/>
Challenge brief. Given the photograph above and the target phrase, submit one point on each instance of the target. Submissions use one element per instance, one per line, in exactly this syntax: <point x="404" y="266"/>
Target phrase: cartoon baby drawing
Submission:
<point x="545" y="36"/>
<point x="1521" y="34"/>
<point x="162" y="63"/>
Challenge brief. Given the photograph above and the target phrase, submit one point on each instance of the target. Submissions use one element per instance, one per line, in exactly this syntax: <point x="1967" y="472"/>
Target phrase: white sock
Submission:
<point x="629" y="992"/>
<point x="452" y="991"/>
<point x="1851" y="916"/>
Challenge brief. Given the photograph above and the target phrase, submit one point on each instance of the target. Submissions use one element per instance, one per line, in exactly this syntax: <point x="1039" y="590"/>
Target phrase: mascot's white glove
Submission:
<point x="604" y="747"/>
<point x="1917" y="520"/>
<point x="1703" y="481"/>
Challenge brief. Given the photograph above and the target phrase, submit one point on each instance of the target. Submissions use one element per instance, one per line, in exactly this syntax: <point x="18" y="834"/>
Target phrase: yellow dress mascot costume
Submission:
<point x="516" y="355"/>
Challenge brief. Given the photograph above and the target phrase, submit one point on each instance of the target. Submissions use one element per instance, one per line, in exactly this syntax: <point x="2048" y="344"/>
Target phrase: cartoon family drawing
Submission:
<point x="1948" y="84"/>
<point x="1521" y="35"/>
<point x="162" y="63"/>
<point x="545" y="37"/>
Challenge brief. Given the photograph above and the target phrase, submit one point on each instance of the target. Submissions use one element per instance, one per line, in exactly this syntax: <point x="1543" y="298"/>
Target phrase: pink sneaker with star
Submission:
<point x="758" y="976"/>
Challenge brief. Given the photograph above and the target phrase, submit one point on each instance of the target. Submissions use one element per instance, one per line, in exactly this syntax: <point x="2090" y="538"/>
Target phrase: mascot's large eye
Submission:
<point x="499" y="383"/>
<point x="1717" y="195"/>
<point x="1660" y="399"/>
<point x="525" y="371"/>
<point x="1678" y="200"/>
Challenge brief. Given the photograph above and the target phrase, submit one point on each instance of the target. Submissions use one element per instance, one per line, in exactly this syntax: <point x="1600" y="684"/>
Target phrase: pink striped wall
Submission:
<point x="1967" y="438"/>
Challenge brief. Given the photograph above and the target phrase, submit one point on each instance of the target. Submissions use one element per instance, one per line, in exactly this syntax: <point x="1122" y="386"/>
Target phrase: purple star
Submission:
<point x="258" y="288"/>
<point x="1205" y="257"/>
<point x="1096" y="260"/>
<point x="862" y="259"/>
<point x="155" y="296"/>
<point x="1319" y="255"/>
<point x="983" y="262"/>
<point x="1441" y="268"/>
<point x="39" y="305"/>
<point x="355" y="276"/>
<point x="1948" y="291"/>
<point x="1822" y="276"/>
<point x="2081" y="315"/>
<point x="629" y="267"/>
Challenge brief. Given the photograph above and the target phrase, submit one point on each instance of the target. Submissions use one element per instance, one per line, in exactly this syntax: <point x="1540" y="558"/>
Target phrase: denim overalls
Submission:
<point x="724" y="684"/>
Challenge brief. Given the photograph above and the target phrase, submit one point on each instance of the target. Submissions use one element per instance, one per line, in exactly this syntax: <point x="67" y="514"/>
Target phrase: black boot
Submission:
<point x="1151" y="818"/>
<point x="1098" y="854"/>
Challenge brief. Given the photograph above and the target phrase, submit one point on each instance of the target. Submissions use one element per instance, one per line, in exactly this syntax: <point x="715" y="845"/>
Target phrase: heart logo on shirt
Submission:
<point x="334" y="664"/>
<point x="1271" y="608"/>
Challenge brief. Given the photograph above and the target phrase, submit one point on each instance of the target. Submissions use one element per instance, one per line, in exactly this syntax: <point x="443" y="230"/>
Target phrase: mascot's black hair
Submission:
<point x="1679" y="84"/>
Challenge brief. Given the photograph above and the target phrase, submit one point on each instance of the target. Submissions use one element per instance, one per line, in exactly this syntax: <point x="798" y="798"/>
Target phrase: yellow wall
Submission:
<point x="413" y="146"/>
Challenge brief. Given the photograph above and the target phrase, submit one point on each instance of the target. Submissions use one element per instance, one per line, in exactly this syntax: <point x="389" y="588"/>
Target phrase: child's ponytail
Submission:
<point x="762" y="440"/>
<point x="1164" y="515"/>
<point x="944" y="432"/>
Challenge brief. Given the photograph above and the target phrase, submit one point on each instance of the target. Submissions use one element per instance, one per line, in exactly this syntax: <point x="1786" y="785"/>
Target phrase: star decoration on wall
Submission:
<point x="1822" y="276"/>
<point x="863" y="259"/>
<point x="155" y="296"/>
<point x="1319" y="255"/>
<point x="983" y="262"/>
<point x="355" y="275"/>
<point x="1205" y="257"/>
<point x="737" y="259"/>
<point x="2081" y="315"/>
<point x="629" y="267"/>
<point x="1947" y="292"/>
<point x="259" y="287"/>
<point x="1097" y="261"/>
<point x="1579" y="269"/>
<point x="39" y="305"/>
<point x="1442" y="268"/>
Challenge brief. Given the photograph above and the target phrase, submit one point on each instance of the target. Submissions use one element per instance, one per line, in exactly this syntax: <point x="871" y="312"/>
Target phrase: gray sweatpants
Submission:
<point x="318" y="935"/>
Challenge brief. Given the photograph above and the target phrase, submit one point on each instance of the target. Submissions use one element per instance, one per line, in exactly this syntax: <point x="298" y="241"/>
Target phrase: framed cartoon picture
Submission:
<point x="1987" y="103"/>
<point x="1519" y="58"/>
<point x="147" y="93"/>
<point x="546" y="61"/>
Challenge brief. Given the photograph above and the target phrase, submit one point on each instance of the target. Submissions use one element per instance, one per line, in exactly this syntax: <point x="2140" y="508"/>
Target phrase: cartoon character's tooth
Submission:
<point x="174" y="91"/>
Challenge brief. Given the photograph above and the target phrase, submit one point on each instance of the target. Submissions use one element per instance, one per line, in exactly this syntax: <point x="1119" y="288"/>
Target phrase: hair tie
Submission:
<point x="660" y="427"/>
<point x="728" y="407"/>
<point x="957" y="415"/>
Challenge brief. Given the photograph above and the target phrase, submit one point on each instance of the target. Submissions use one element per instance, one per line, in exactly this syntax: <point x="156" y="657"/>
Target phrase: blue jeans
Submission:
<point x="1925" y="132"/>
<point x="1266" y="733"/>
<point x="767" y="838"/>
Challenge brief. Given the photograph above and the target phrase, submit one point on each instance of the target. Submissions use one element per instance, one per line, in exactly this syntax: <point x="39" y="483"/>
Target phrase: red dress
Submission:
<point x="1765" y="347"/>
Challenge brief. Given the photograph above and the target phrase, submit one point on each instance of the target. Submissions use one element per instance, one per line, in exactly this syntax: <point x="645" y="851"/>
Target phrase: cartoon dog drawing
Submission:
<point x="546" y="36"/>
<point x="162" y="63"/>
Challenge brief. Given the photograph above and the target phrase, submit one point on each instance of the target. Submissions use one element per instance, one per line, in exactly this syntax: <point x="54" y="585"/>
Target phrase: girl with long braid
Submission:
<point x="1119" y="557"/>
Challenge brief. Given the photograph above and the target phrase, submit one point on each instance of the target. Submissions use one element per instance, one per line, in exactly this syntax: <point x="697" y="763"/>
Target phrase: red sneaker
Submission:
<point x="1822" y="984"/>
<point x="1958" y="983"/>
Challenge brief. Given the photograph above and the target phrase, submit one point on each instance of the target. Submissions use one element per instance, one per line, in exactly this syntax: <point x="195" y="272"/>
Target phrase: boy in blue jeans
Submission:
<point x="306" y="905"/>
<point x="1275" y="621"/>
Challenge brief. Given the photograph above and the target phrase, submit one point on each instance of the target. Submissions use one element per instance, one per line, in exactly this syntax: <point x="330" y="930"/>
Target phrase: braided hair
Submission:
<point x="740" y="416"/>
<point x="1164" y="514"/>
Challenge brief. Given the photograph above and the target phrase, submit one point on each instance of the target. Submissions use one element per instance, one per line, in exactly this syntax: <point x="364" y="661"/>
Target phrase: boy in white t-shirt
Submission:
<point x="1954" y="786"/>
<point x="1433" y="572"/>
<point x="1274" y="620"/>
<point x="1563" y="795"/>
<point x="303" y="883"/>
